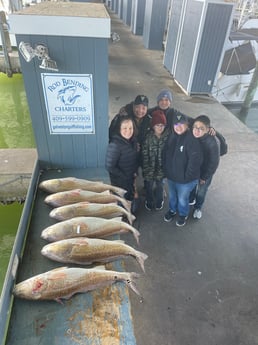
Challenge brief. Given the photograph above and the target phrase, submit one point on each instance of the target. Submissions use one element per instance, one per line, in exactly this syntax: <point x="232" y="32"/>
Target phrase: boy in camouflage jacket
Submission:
<point x="152" y="161"/>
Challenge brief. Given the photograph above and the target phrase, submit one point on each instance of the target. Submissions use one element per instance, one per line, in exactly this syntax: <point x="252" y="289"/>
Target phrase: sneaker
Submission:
<point x="181" y="221"/>
<point x="160" y="207"/>
<point x="197" y="214"/>
<point x="169" y="216"/>
<point x="147" y="206"/>
<point x="192" y="202"/>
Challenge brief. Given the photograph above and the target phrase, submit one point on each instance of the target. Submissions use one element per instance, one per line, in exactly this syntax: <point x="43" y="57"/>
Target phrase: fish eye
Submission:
<point x="115" y="277"/>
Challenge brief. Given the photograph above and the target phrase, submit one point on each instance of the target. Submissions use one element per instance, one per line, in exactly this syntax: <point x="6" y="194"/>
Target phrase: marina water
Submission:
<point x="15" y="132"/>
<point x="10" y="217"/>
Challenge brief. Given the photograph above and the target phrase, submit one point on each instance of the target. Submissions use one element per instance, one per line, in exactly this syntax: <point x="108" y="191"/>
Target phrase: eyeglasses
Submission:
<point x="201" y="129"/>
<point x="160" y="125"/>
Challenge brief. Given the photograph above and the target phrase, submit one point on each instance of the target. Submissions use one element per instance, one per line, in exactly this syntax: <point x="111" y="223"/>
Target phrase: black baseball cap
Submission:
<point x="141" y="99"/>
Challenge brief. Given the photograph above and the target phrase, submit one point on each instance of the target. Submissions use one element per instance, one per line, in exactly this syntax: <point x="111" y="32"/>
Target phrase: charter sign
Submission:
<point x="69" y="103"/>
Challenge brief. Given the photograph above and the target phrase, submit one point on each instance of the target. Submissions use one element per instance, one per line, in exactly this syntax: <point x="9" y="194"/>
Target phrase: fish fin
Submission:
<point x="99" y="267"/>
<point x="106" y="192"/>
<point x="136" y="235"/>
<point x="58" y="300"/>
<point x="126" y="204"/>
<point x="131" y="218"/>
<point x="59" y="268"/>
<point x="119" y="241"/>
<point x="131" y="282"/>
<point x="141" y="257"/>
<point x="117" y="219"/>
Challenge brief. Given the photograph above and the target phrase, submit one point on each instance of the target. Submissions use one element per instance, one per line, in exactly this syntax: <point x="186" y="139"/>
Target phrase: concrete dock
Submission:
<point x="200" y="286"/>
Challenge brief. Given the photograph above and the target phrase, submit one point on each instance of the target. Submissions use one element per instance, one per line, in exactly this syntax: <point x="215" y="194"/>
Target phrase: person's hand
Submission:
<point x="202" y="181"/>
<point x="123" y="111"/>
<point x="212" y="131"/>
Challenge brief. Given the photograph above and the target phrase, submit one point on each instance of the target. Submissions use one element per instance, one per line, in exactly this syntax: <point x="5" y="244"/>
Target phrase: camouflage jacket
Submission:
<point x="152" y="156"/>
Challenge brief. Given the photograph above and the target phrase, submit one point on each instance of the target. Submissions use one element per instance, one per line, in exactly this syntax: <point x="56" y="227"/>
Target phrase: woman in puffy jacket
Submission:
<point x="122" y="157"/>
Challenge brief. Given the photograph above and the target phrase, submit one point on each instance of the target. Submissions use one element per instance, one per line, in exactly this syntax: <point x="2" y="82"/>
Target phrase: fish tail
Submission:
<point x="141" y="257"/>
<point x="119" y="191"/>
<point x="131" y="282"/>
<point x="136" y="235"/>
<point x="135" y="232"/>
<point x="130" y="217"/>
<point x="126" y="204"/>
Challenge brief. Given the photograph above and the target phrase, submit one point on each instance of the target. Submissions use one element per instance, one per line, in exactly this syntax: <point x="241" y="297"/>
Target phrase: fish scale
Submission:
<point x="69" y="183"/>
<point x="64" y="282"/>
<point x="87" y="226"/>
<point x="90" y="209"/>
<point x="85" y="251"/>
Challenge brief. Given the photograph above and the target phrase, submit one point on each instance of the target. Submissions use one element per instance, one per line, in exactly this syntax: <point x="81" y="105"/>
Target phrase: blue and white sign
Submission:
<point x="69" y="103"/>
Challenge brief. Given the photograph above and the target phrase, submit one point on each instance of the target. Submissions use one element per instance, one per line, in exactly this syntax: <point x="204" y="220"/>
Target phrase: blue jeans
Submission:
<point x="179" y="196"/>
<point x="202" y="190"/>
<point x="154" y="196"/>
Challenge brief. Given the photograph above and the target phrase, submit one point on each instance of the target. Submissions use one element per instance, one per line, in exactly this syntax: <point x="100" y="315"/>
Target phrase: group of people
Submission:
<point x="163" y="143"/>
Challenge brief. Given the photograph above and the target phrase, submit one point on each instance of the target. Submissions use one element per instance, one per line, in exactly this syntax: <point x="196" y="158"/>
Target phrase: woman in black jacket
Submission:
<point x="182" y="158"/>
<point x="122" y="157"/>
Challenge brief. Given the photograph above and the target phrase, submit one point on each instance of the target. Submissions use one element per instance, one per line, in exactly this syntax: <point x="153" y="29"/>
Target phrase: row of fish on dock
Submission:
<point x="88" y="212"/>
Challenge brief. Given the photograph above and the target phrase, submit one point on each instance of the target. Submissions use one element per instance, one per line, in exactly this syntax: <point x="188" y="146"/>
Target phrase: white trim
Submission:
<point x="73" y="19"/>
<point x="223" y="2"/>
<point x="179" y="36"/>
<point x="197" y="46"/>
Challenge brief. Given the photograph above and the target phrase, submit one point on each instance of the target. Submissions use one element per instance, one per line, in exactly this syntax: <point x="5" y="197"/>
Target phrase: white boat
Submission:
<point x="241" y="54"/>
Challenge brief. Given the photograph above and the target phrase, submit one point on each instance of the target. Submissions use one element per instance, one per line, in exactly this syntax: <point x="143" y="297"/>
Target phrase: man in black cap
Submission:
<point x="181" y="161"/>
<point x="138" y="111"/>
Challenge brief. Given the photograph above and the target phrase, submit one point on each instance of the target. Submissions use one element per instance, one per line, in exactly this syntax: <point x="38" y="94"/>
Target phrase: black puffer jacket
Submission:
<point x="211" y="155"/>
<point x="122" y="163"/>
<point x="182" y="157"/>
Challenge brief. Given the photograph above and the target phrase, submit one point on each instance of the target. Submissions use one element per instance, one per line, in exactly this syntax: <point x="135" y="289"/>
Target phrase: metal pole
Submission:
<point x="6" y="44"/>
<point x="250" y="92"/>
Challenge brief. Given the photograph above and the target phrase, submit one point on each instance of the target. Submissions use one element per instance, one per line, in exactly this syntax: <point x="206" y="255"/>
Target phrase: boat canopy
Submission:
<point x="247" y="34"/>
<point x="238" y="60"/>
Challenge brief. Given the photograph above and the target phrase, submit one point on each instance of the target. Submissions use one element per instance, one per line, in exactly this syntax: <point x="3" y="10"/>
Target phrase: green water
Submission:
<point x="10" y="217"/>
<point x="15" y="123"/>
<point x="15" y="132"/>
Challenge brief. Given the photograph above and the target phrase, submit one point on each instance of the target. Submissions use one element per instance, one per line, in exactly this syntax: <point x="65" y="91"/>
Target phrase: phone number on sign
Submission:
<point x="66" y="118"/>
